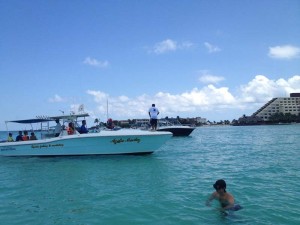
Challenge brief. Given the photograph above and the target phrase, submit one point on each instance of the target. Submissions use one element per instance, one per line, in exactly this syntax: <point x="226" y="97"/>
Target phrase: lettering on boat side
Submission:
<point x="7" y="149"/>
<point x="121" y="140"/>
<point x="47" y="146"/>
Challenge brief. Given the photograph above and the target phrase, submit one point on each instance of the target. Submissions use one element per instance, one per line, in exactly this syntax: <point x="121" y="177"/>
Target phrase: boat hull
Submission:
<point x="177" y="130"/>
<point x="102" y="143"/>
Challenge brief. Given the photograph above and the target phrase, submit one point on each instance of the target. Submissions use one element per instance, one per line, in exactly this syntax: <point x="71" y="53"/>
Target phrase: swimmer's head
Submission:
<point x="220" y="184"/>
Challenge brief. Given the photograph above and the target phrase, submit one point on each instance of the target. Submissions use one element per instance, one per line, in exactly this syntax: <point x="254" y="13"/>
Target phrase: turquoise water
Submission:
<point x="261" y="165"/>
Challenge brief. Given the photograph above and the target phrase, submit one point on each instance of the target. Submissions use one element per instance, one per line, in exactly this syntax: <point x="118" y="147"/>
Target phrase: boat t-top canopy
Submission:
<point x="29" y="121"/>
<point x="71" y="116"/>
<point x="42" y="119"/>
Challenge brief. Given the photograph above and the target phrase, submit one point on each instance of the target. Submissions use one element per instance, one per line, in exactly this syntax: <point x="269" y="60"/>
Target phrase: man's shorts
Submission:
<point x="153" y="122"/>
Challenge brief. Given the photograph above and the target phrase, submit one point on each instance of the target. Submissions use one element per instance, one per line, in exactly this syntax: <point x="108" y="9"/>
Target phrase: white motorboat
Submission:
<point x="175" y="127"/>
<point x="103" y="142"/>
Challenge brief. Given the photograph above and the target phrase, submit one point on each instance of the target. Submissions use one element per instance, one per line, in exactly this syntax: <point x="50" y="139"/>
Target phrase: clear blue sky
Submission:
<point x="214" y="59"/>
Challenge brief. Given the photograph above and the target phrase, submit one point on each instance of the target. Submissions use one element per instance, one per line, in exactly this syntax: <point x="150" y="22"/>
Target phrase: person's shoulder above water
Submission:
<point x="225" y="199"/>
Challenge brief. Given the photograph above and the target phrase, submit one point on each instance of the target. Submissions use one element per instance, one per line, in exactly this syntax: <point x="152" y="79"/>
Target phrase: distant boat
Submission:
<point x="103" y="142"/>
<point x="175" y="127"/>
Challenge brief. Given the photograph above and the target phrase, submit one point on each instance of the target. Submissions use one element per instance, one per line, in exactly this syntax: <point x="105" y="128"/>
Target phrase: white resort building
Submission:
<point x="279" y="105"/>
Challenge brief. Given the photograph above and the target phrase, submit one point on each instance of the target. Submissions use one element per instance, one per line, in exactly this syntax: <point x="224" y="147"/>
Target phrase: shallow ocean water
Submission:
<point x="261" y="165"/>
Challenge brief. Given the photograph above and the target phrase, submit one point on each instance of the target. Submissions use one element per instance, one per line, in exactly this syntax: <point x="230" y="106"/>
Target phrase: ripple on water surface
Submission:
<point x="260" y="165"/>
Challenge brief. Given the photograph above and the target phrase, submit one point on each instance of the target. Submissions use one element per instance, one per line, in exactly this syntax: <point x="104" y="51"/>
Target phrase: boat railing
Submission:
<point x="166" y="122"/>
<point x="141" y="126"/>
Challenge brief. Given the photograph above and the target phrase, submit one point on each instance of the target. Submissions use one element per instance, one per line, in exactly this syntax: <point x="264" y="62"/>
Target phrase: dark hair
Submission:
<point x="153" y="105"/>
<point x="220" y="184"/>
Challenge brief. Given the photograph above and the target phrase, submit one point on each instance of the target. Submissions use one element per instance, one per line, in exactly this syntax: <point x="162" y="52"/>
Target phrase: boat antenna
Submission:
<point x="62" y="112"/>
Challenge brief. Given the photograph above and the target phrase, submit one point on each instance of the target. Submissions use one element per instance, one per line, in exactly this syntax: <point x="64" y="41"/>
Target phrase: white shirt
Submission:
<point x="57" y="128"/>
<point x="153" y="112"/>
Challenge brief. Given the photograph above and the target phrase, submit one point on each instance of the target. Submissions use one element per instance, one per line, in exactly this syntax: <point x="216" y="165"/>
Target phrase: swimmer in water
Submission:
<point x="226" y="199"/>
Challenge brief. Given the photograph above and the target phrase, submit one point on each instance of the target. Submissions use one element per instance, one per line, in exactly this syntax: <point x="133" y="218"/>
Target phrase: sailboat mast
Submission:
<point x="107" y="109"/>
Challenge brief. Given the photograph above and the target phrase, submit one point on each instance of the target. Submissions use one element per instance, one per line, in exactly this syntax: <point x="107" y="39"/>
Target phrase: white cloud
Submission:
<point x="284" y="52"/>
<point x="291" y="85"/>
<point x="195" y="100"/>
<point x="99" y="96"/>
<point x="169" y="45"/>
<point x="165" y="46"/>
<point x="261" y="89"/>
<point x="209" y="78"/>
<point x="209" y="99"/>
<point x="94" y="62"/>
<point x="56" y="98"/>
<point x="211" y="48"/>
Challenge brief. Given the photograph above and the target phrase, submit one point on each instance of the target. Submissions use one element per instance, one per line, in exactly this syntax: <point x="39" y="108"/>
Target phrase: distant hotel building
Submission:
<point x="279" y="105"/>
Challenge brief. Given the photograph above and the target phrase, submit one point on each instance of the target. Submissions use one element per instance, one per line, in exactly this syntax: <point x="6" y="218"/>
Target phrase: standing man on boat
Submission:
<point x="57" y="128"/>
<point x="153" y="112"/>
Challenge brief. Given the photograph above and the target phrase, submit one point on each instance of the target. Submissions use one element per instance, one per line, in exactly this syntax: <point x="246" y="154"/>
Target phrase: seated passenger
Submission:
<point x="25" y="136"/>
<point x="71" y="129"/>
<point x="83" y="129"/>
<point x="19" y="137"/>
<point x="10" y="138"/>
<point x="32" y="136"/>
